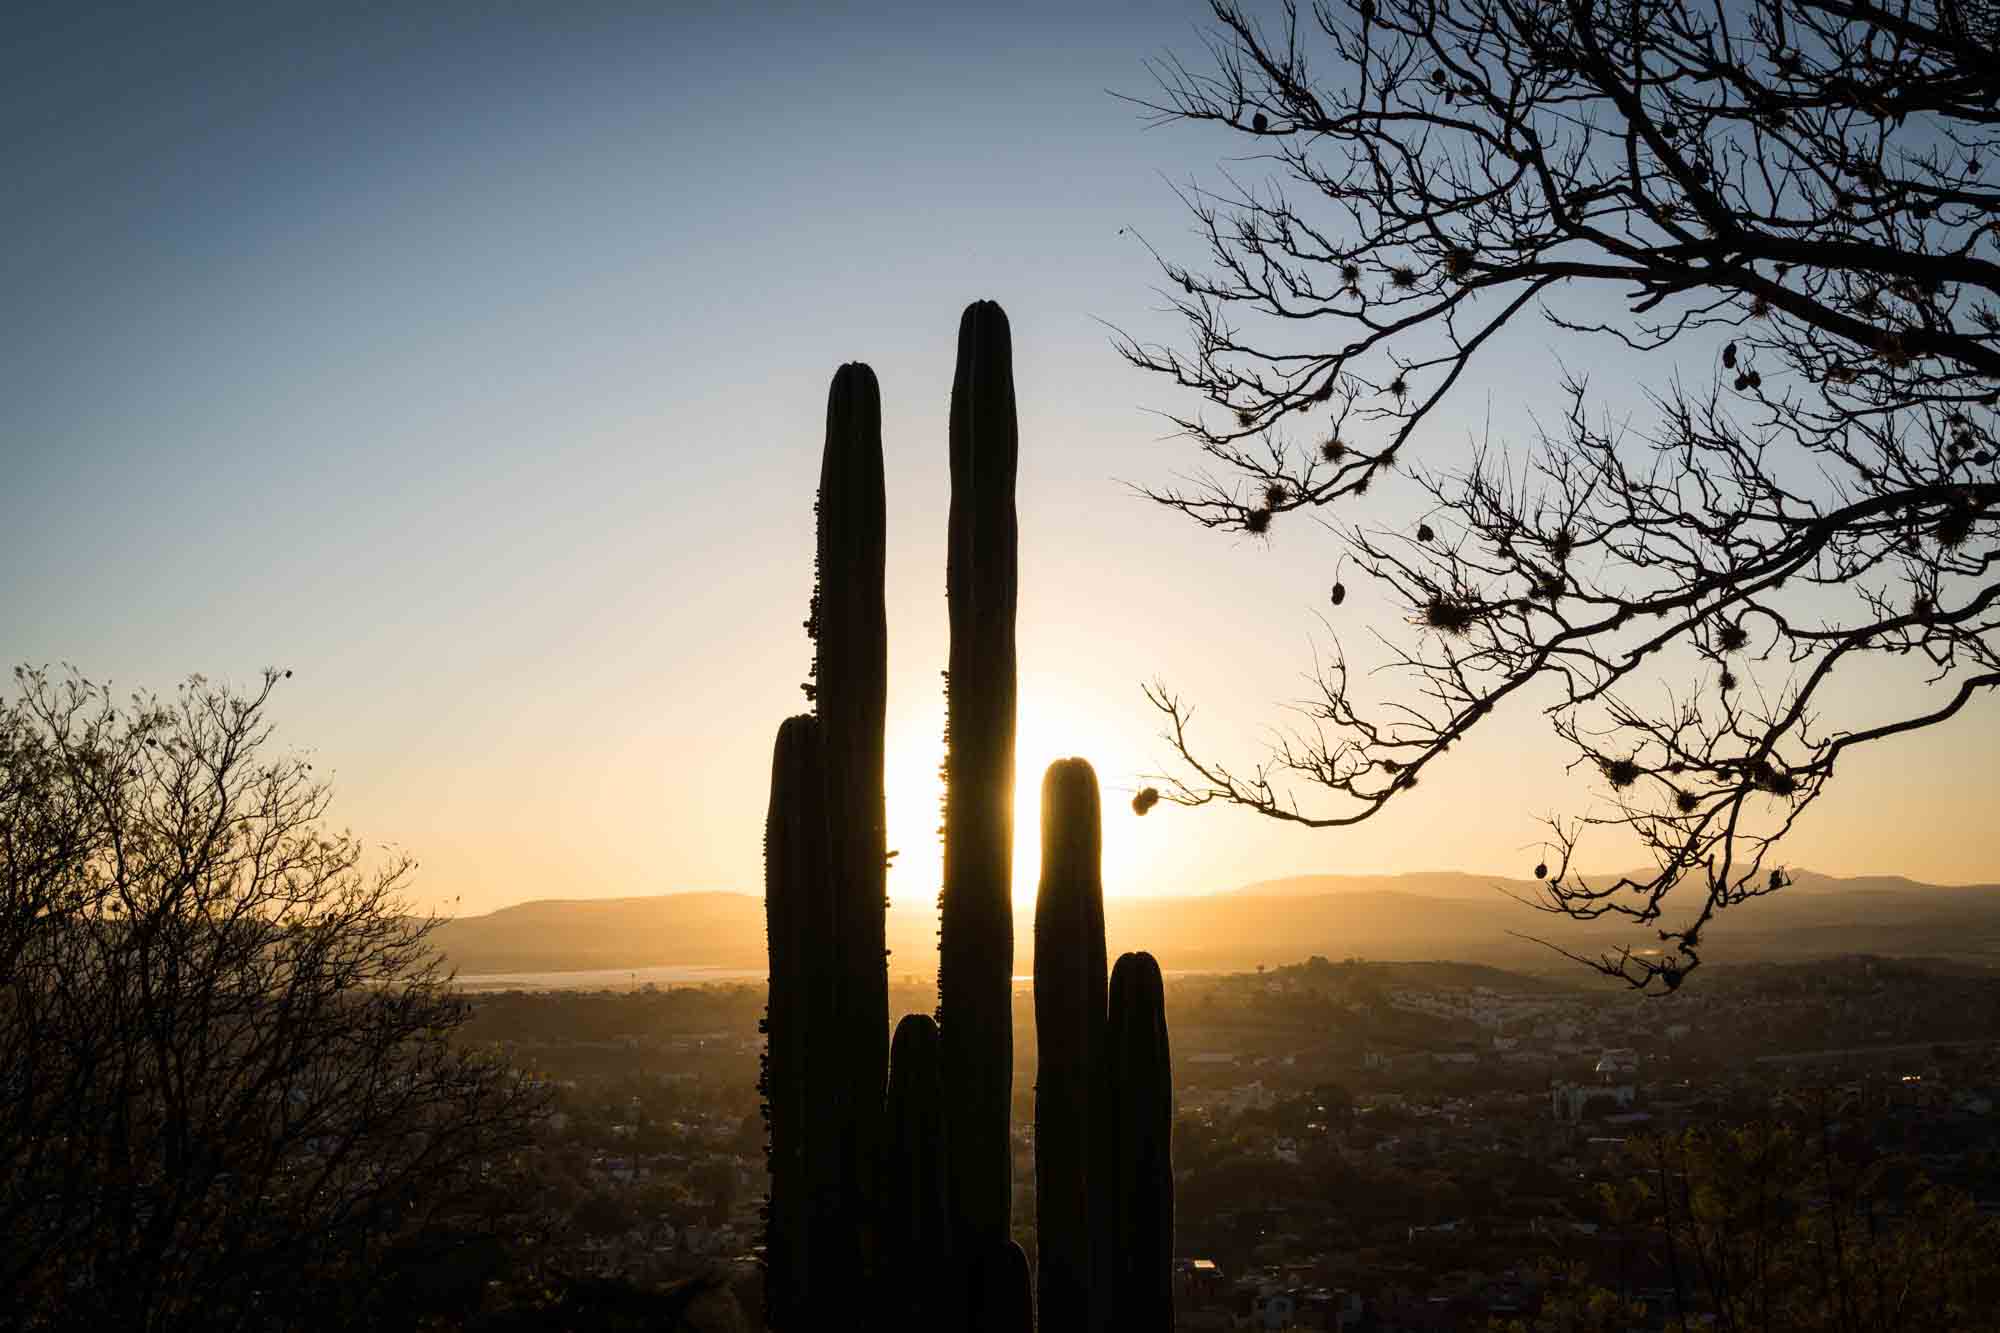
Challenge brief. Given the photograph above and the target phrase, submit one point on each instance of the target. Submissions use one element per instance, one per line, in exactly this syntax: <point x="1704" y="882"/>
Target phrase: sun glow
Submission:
<point x="1052" y="724"/>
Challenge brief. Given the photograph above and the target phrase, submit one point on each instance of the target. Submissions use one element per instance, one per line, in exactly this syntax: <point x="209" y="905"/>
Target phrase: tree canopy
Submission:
<point x="225" y="1045"/>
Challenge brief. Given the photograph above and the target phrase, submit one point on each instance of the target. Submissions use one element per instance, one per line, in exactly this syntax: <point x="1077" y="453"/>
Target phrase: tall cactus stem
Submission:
<point x="916" y="1227"/>
<point x="795" y="849"/>
<point x="1072" y="1175"/>
<point x="976" y="931"/>
<point x="852" y="696"/>
<point x="1139" y="1075"/>
<point x="1002" y="1291"/>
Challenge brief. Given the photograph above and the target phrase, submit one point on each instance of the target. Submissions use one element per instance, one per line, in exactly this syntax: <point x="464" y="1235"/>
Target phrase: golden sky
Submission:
<point x="472" y="365"/>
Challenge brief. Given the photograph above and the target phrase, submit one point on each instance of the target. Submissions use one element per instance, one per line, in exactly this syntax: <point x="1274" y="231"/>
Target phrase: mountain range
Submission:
<point x="1422" y="915"/>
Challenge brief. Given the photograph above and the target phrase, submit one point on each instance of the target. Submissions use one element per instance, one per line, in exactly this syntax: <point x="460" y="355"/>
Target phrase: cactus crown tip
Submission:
<point x="1137" y="965"/>
<point x="985" y="312"/>
<point x="1069" y="784"/>
<point x="1070" y="768"/>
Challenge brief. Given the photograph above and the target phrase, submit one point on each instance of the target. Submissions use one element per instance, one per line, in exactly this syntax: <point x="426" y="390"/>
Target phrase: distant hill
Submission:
<point x="1425" y="916"/>
<point x="583" y="934"/>
<point x="1464" y="884"/>
<point x="1425" y="883"/>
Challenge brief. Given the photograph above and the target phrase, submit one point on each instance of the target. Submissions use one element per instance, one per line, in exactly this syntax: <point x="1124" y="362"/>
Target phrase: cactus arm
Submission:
<point x="916" y="1228"/>
<point x="852" y="692"/>
<point x="1003" y="1293"/>
<point x="795" y="836"/>
<point x="976" y="929"/>
<point x="1070" y="1038"/>
<point x="1140" y="1079"/>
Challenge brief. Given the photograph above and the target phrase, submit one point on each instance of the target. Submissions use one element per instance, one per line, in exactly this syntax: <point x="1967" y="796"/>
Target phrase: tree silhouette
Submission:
<point x="229" y="1073"/>
<point x="1801" y="193"/>
<point x="1793" y="1221"/>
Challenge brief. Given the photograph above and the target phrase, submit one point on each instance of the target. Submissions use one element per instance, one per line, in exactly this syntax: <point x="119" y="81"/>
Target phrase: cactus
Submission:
<point x="976" y="931"/>
<point x="1139" y="1093"/>
<point x="851" y="677"/>
<point x="904" y="1210"/>
<point x="1002" y="1292"/>
<point x="915" y="1223"/>
<point x="795" y="846"/>
<point x="1071" y="1198"/>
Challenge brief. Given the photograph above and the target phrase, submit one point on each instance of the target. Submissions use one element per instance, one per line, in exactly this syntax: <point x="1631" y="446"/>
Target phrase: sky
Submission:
<point x="470" y="362"/>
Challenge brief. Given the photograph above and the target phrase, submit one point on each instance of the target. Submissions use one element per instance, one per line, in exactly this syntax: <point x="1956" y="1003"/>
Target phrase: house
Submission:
<point x="1572" y="1102"/>
<point x="1198" y="1284"/>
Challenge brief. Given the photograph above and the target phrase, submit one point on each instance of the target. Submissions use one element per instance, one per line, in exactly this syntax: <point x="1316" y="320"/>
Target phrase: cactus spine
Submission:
<point x="852" y="695"/>
<point x="1071" y="1168"/>
<point x="1140" y="1095"/>
<point x="795" y="849"/>
<point x="976" y="933"/>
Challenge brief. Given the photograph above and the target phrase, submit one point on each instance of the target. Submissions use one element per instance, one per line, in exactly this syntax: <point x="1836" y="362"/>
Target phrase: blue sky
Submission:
<point x="471" y="361"/>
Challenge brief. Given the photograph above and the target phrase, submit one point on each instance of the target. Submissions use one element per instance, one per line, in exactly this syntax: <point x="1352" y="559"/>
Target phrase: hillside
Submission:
<point x="1436" y="915"/>
<point x="1422" y="883"/>
<point x="1463" y="884"/>
<point x="561" y="935"/>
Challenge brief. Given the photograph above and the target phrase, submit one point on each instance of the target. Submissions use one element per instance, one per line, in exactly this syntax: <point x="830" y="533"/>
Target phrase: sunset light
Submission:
<point x="1054" y="723"/>
<point x="1466" y="532"/>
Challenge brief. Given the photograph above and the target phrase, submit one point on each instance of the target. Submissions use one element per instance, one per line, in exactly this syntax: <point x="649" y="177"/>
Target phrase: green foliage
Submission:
<point x="1794" y="1225"/>
<point x="1572" y="1304"/>
<point x="572" y="1304"/>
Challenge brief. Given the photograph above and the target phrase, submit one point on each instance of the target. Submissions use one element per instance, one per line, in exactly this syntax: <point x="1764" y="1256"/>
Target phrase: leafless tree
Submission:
<point x="1799" y="194"/>
<point x="226" y="1066"/>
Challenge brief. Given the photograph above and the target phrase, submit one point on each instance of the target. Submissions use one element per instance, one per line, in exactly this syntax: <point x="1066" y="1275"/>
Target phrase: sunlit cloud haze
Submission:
<point x="471" y="362"/>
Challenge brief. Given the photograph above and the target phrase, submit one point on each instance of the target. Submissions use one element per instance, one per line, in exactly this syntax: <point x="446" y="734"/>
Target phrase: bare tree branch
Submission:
<point x="225" y="1044"/>
<point x="1801" y="190"/>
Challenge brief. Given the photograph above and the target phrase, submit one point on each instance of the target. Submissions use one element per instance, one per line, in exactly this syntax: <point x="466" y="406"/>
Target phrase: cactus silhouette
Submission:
<point x="1140" y="1096"/>
<point x="795" y="851"/>
<point x="901" y="1206"/>
<point x="915" y="1223"/>
<point x="976" y="930"/>
<point x="1071" y="1167"/>
<point x="1002" y="1291"/>
<point x="852" y="694"/>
